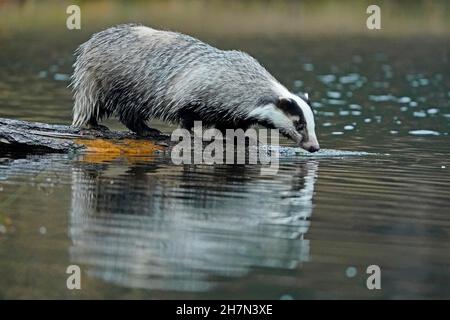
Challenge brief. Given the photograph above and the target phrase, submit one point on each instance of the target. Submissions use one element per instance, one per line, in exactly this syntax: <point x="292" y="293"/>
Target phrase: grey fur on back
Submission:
<point x="138" y="74"/>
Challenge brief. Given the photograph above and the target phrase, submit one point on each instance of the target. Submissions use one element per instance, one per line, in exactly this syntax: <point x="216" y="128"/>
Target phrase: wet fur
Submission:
<point x="138" y="74"/>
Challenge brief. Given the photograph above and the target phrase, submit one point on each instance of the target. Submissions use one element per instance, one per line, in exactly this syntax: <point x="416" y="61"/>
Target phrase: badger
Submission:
<point x="137" y="74"/>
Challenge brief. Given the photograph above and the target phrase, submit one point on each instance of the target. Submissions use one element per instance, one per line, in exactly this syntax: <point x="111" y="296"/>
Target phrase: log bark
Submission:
<point x="18" y="135"/>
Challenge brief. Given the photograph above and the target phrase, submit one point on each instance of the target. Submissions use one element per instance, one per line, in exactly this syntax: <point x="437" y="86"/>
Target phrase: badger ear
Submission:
<point x="287" y="105"/>
<point x="283" y="103"/>
<point x="307" y="96"/>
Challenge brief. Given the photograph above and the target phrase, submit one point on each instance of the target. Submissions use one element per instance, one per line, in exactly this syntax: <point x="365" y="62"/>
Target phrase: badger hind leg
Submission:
<point x="93" y="124"/>
<point x="88" y="108"/>
<point x="145" y="131"/>
<point x="87" y="119"/>
<point x="187" y="118"/>
<point x="138" y="125"/>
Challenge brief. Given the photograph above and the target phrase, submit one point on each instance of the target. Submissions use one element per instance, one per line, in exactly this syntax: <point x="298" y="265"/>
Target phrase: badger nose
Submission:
<point x="314" y="149"/>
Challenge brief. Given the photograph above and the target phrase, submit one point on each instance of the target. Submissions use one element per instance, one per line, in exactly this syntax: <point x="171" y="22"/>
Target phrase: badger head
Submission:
<point x="292" y="116"/>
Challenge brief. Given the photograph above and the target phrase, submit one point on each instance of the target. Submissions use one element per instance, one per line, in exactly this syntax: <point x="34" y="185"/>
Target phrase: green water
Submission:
<point x="145" y="228"/>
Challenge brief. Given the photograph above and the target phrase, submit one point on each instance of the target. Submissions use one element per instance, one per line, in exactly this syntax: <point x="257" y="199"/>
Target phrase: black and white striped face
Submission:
<point x="302" y="130"/>
<point x="293" y="116"/>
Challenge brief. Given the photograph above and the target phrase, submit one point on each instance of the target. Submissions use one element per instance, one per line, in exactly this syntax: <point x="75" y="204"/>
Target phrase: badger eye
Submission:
<point x="299" y="126"/>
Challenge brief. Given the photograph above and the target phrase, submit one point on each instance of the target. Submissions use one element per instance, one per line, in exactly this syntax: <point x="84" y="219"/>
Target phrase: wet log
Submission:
<point x="26" y="136"/>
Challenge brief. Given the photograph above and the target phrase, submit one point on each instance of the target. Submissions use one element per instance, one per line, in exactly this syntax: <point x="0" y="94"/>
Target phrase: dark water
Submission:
<point x="142" y="227"/>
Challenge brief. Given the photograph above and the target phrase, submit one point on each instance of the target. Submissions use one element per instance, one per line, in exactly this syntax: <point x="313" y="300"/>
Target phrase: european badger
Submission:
<point x="139" y="73"/>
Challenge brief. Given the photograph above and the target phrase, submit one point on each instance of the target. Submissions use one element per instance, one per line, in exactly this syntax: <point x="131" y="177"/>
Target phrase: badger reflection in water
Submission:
<point x="188" y="227"/>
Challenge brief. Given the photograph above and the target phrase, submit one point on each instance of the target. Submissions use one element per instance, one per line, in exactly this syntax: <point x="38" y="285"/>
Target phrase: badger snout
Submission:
<point x="312" y="145"/>
<point x="314" y="148"/>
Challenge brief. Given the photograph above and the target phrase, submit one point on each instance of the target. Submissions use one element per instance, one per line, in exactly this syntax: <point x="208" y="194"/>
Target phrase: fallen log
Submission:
<point x="26" y="136"/>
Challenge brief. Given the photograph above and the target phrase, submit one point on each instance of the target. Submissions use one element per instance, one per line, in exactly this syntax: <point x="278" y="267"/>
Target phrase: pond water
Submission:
<point x="141" y="227"/>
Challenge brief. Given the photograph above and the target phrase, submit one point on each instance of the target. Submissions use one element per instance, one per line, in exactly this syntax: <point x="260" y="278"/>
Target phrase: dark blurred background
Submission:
<point x="263" y="17"/>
